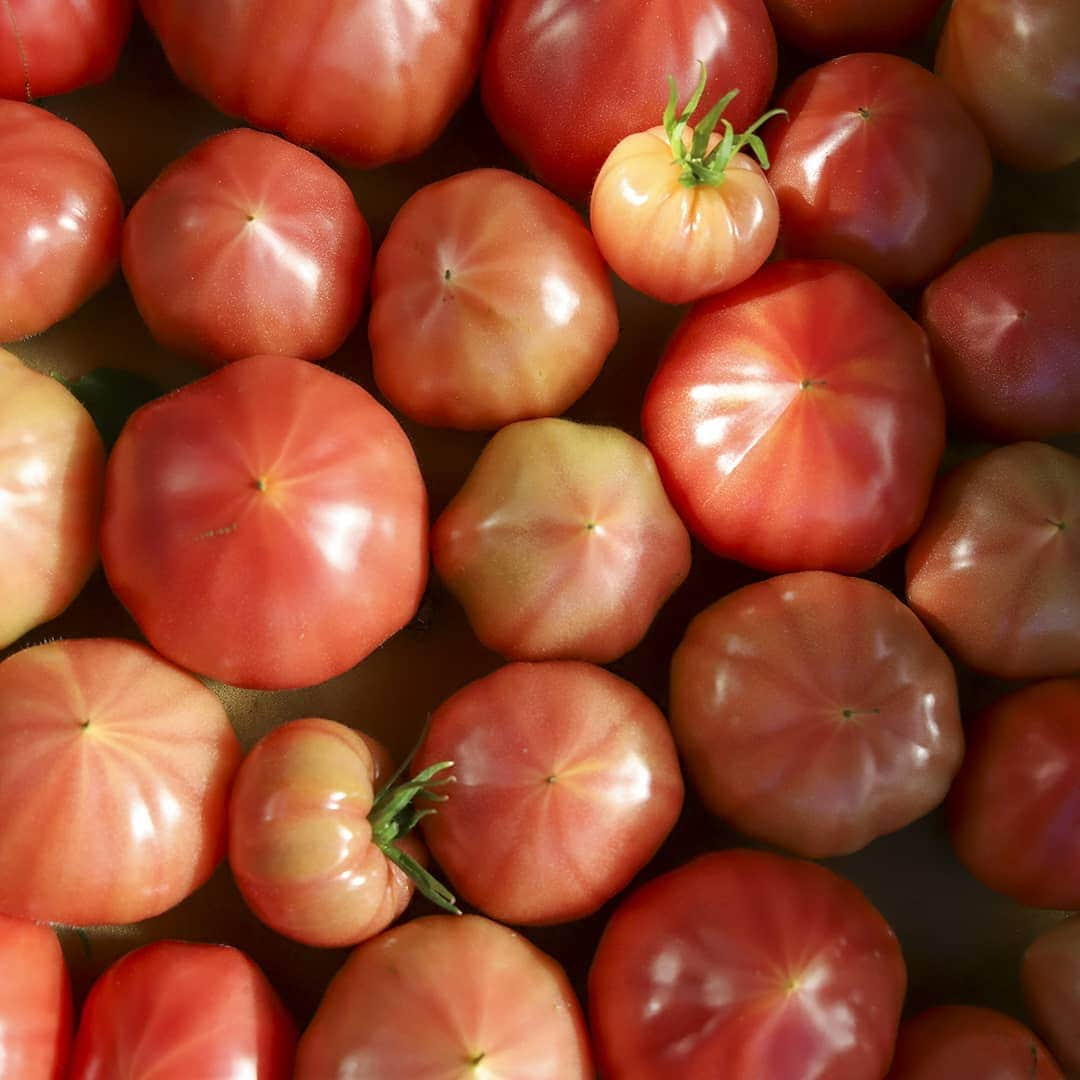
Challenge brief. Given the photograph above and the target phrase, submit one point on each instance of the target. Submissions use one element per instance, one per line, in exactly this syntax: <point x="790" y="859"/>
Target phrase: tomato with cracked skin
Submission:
<point x="114" y="774"/>
<point x="796" y="420"/>
<point x="267" y="524"/>
<point x="835" y="27"/>
<point x="1050" y="977"/>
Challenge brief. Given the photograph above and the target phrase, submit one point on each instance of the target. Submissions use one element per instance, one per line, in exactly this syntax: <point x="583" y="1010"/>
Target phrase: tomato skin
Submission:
<point x="490" y="304"/>
<point x="836" y="27"/>
<point x="437" y="996"/>
<point x="895" y="193"/>
<point x="607" y="64"/>
<point x="114" y="774"/>
<point x="35" y="1003"/>
<point x="60" y="234"/>
<point x="994" y="570"/>
<point x="174" y="1010"/>
<point x="566" y="783"/>
<point x="247" y="245"/>
<point x="365" y="83"/>
<point x="747" y="965"/>
<point x="562" y="543"/>
<point x="1050" y="976"/>
<point x="796" y="420"/>
<point x="1015" y="65"/>
<point x="295" y="494"/>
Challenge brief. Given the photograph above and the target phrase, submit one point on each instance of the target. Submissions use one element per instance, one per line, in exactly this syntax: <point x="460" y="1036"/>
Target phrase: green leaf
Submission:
<point x="110" y="396"/>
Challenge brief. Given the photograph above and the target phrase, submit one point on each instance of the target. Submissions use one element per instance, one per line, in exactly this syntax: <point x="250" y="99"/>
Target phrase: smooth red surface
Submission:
<point x="565" y="80"/>
<point x="175" y="1010"/>
<point x="267" y="524"/>
<point x="60" y="229"/>
<point x="834" y="27"/>
<point x="746" y="965"/>
<point x="247" y="245"/>
<point x="1014" y="815"/>
<point x="1004" y="328"/>
<point x="815" y="712"/>
<point x="457" y="997"/>
<point x="994" y="570"/>
<point x="566" y="783"/>
<point x="365" y="82"/>
<point x="796" y="420"/>
<point x="490" y="303"/>
<point x="877" y="165"/>
<point x="114" y="773"/>
<point x="1050" y="976"/>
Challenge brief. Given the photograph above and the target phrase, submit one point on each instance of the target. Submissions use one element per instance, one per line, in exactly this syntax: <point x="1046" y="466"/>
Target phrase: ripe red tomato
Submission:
<point x="364" y="82"/>
<point x="961" y="1042"/>
<point x="1016" y="66"/>
<point x="35" y="1003"/>
<point x="815" y="712"/>
<point x="994" y="570"/>
<point x="604" y="64"/>
<point x="1050" y="976"/>
<point x="796" y="420"/>
<point x="566" y="783"/>
<point x="246" y="245"/>
<point x="1013" y="812"/>
<point x="447" y="996"/>
<point x="835" y="27"/>
<point x="746" y="965"/>
<point x="490" y="303"/>
<point x="60" y="230"/>
<point x="114" y="773"/>
<point x="267" y="524"/>
<point x="52" y="46"/>
<point x="562" y="543"/>
<point x="175" y="1010"/>
<point x="879" y="166"/>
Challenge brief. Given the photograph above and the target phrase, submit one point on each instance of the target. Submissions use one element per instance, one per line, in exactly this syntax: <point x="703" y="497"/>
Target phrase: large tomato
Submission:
<point x="246" y="245"/>
<point x="52" y="467"/>
<point x="796" y="420"/>
<point x="878" y="165"/>
<point x="267" y="524"/>
<point x="994" y="570"/>
<point x="60" y="228"/>
<point x="366" y="81"/>
<point x="114" y="774"/>
<point x="447" y="996"/>
<point x="746" y="965"/>
<point x="490" y="303"/>
<point x="815" y="712"/>
<point x="565" y="80"/>
<point x="1050" y="976"/>
<point x="566" y="783"/>
<point x="834" y="27"/>
<point x="175" y="1011"/>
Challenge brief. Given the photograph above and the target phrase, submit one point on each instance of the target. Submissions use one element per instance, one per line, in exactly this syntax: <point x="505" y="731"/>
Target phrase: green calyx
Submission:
<point x="699" y="164"/>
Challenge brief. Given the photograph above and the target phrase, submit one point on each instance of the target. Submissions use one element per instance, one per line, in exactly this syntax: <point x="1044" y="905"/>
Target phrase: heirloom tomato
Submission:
<point x="1050" y="976"/>
<point x="834" y="27"/>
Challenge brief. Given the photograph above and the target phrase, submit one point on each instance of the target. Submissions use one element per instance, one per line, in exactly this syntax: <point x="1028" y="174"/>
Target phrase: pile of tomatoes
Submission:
<point x="364" y="716"/>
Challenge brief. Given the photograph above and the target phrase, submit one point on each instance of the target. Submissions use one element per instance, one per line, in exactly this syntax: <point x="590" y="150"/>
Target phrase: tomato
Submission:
<point x="1016" y="65"/>
<point x="815" y="712"/>
<point x="796" y="420"/>
<point x="1005" y="333"/>
<point x="35" y="1003"/>
<point x="1013" y="812"/>
<point x="174" y="1010"/>
<point x="366" y="83"/>
<point x="562" y="543"/>
<point x="966" y="1043"/>
<point x="1050" y="976"/>
<point x="746" y="965"/>
<point x="834" y="27"/>
<point x="604" y="65"/>
<point x="450" y="997"/>
<point x="52" y="466"/>
<point x="60" y="231"/>
<point x="266" y="525"/>
<point x="995" y="568"/>
<point x="245" y="245"/>
<point x="490" y="303"/>
<point x="566" y="783"/>
<point x="879" y="166"/>
<point x="114" y="771"/>
<point x="52" y="46"/>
